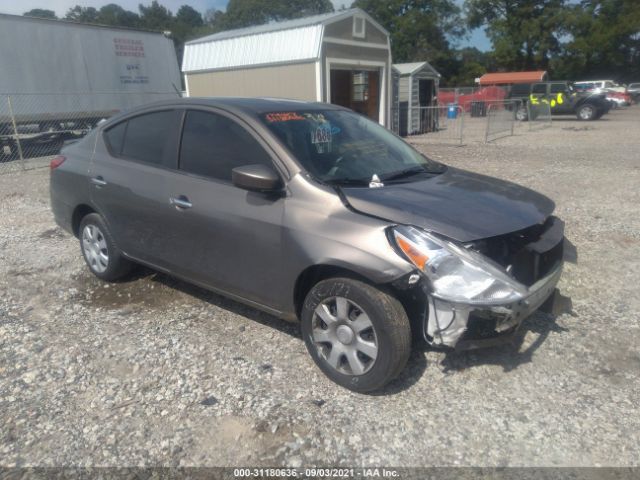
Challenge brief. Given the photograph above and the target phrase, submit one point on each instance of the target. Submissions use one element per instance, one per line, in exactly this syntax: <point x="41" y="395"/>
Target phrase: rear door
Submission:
<point x="129" y="181"/>
<point x="223" y="236"/>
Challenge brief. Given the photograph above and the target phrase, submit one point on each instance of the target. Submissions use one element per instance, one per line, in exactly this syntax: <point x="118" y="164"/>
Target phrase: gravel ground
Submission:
<point x="156" y="372"/>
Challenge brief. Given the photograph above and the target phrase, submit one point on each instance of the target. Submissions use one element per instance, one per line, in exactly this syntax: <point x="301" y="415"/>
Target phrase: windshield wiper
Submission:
<point x="407" y="172"/>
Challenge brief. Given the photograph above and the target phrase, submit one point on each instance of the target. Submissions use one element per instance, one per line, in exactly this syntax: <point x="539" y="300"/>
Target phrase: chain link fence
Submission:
<point x="468" y="96"/>
<point x="501" y="120"/>
<point x="34" y="127"/>
<point x="539" y="115"/>
<point x="444" y="124"/>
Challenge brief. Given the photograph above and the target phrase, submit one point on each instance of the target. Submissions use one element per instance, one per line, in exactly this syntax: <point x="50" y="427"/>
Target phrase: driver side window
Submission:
<point x="213" y="145"/>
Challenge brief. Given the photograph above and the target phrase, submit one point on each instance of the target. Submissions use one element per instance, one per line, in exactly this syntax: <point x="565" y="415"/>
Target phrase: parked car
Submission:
<point x="562" y="98"/>
<point x="314" y="213"/>
<point x="618" y="98"/>
<point x="481" y="96"/>
<point x="600" y="86"/>
<point x="615" y="96"/>
<point x="634" y="90"/>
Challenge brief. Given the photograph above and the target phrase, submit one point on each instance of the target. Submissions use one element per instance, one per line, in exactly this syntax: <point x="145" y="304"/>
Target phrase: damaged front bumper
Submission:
<point x="465" y="326"/>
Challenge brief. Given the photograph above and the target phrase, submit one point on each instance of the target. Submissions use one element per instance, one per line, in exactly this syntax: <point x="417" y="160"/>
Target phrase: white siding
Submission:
<point x="403" y="88"/>
<point x="285" y="46"/>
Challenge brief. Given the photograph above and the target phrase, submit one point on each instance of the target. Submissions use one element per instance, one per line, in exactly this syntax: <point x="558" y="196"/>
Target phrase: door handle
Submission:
<point x="98" y="181"/>
<point x="181" y="202"/>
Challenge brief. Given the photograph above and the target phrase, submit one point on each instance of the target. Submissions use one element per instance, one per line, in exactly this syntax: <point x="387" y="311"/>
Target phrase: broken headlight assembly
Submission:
<point x="454" y="273"/>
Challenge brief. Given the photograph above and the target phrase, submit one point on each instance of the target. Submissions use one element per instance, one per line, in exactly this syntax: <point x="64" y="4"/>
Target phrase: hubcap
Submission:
<point x="344" y="336"/>
<point x="586" y="113"/>
<point x="94" y="248"/>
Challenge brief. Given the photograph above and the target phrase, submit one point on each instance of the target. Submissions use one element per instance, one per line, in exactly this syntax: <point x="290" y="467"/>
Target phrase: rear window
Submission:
<point x="151" y="138"/>
<point x="115" y="138"/>
<point x="520" y="89"/>
<point x="539" y="88"/>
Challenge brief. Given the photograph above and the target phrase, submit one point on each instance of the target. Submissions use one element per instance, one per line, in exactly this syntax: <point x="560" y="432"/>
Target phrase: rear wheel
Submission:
<point x="586" y="112"/>
<point x="358" y="335"/>
<point x="99" y="250"/>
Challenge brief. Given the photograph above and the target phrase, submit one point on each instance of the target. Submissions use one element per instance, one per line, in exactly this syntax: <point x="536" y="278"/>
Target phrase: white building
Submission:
<point x="342" y="58"/>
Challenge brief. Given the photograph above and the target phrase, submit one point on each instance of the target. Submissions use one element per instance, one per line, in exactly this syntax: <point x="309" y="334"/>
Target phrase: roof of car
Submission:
<point x="252" y="107"/>
<point x="249" y="105"/>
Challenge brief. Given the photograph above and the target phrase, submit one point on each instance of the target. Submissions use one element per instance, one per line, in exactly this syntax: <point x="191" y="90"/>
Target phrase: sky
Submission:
<point x="17" y="7"/>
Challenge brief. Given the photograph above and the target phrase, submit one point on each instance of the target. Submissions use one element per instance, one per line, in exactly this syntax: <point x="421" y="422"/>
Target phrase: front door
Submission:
<point x="560" y="98"/>
<point x="224" y="237"/>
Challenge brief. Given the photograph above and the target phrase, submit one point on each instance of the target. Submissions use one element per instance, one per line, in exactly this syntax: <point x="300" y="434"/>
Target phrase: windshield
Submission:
<point x="343" y="147"/>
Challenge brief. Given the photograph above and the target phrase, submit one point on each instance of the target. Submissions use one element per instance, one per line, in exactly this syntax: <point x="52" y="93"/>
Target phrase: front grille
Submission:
<point x="484" y="326"/>
<point x="528" y="255"/>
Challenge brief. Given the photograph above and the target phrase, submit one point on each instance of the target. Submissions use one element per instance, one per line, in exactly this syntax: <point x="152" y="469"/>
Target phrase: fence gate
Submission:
<point x="443" y="123"/>
<point x="539" y="115"/>
<point x="501" y="119"/>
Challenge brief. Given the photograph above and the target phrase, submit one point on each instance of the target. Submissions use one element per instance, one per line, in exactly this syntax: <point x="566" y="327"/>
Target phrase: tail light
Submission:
<point x="57" y="161"/>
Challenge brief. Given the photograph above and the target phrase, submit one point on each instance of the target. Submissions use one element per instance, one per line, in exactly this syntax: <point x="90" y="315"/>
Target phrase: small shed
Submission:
<point x="417" y="86"/>
<point x="341" y="57"/>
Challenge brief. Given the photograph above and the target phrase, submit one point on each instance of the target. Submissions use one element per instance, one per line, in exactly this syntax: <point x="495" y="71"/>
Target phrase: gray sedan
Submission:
<point x="315" y="214"/>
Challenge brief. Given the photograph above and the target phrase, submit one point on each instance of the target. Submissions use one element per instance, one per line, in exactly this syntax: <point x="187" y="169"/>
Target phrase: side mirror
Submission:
<point x="256" y="178"/>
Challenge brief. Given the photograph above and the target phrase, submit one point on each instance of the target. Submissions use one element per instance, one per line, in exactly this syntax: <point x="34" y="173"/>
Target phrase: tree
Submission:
<point x="244" y="13"/>
<point x="525" y="33"/>
<point x="41" y="13"/>
<point x="189" y="17"/>
<point x="155" y="16"/>
<point x="604" y="40"/>
<point x="213" y="20"/>
<point x="420" y="29"/>
<point x="82" y="14"/>
<point x="467" y="64"/>
<point x="115" y="15"/>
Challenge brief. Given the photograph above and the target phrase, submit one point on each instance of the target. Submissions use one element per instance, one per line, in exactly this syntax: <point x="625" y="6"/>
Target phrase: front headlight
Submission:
<point x="455" y="273"/>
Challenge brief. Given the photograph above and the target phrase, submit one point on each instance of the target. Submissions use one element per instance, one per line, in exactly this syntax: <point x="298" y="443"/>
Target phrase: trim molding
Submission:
<point x="355" y="43"/>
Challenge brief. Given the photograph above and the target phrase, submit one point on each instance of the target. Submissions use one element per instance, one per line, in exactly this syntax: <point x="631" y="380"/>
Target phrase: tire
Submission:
<point x="521" y="113"/>
<point x="100" y="252"/>
<point x="367" y="327"/>
<point x="586" y="112"/>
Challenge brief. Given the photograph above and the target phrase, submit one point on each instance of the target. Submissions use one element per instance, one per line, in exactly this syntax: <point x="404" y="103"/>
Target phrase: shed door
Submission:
<point x="358" y="90"/>
<point x="425" y="92"/>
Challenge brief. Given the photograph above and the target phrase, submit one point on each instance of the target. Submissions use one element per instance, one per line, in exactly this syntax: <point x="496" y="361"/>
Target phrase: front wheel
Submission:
<point x="358" y="335"/>
<point x="586" y="112"/>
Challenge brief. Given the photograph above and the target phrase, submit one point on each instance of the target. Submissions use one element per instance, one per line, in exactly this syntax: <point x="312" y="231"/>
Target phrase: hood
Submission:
<point x="461" y="205"/>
